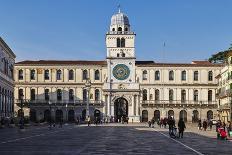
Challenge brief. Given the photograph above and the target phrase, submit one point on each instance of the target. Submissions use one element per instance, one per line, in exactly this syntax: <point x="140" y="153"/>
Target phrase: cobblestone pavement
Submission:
<point x="107" y="139"/>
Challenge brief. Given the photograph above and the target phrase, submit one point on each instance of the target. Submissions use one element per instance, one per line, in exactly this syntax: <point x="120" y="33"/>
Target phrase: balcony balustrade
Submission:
<point x="180" y="103"/>
<point x="28" y="103"/>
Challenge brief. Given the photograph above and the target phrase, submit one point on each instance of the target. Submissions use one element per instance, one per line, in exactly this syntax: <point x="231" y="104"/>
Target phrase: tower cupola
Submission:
<point x="119" y="23"/>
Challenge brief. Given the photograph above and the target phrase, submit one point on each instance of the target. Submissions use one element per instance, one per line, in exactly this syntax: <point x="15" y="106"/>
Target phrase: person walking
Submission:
<point x="171" y="125"/>
<point x="210" y="124"/>
<point x="181" y="127"/>
<point x="204" y="125"/>
<point x="199" y="125"/>
<point x="88" y="121"/>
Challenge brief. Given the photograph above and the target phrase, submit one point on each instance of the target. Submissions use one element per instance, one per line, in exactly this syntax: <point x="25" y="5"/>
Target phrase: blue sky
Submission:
<point x="75" y="29"/>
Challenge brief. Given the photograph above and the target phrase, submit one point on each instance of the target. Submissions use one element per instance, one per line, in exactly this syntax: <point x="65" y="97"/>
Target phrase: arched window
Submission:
<point x="46" y="74"/>
<point x="32" y="74"/>
<point x="58" y="74"/>
<point x="113" y="29"/>
<point x="71" y="95"/>
<point x="118" y="42"/>
<point x="71" y="74"/>
<point x="32" y="94"/>
<point x="183" y="75"/>
<point x="157" y="75"/>
<point x="126" y="29"/>
<point x="170" y="95"/>
<point x="210" y="96"/>
<point x="122" y="42"/>
<point x="84" y="94"/>
<point x="210" y="76"/>
<point x="20" y="74"/>
<point x="183" y="95"/>
<point x="59" y="95"/>
<point x="85" y="75"/>
<point x="20" y="94"/>
<point x="171" y="75"/>
<point x="46" y="94"/>
<point x="144" y="95"/>
<point x="144" y="75"/>
<point x="157" y="95"/>
<point x="119" y="29"/>
<point x="195" y="74"/>
<point x="97" y="75"/>
<point x="195" y="95"/>
<point x="97" y="95"/>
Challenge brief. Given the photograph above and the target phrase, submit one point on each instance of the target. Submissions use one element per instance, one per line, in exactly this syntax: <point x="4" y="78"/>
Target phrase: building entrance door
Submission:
<point x="121" y="110"/>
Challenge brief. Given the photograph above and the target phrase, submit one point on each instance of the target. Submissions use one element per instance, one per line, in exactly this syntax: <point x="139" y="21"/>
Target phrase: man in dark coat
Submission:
<point x="181" y="127"/>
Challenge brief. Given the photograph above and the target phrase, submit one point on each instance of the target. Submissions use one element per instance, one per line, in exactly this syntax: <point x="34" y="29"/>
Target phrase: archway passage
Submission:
<point x="183" y="115"/>
<point x="157" y="115"/>
<point x="59" y="115"/>
<point x="171" y="113"/>
<point x="32" y="115"/>
<point x="195" y="116"/>
<point x="71" y="115"/>
<point x="120" y="109"/>
<point x="97" y="116"/>
<point x="209" y="114"/>
<point x="83" y="114"/>
<point x="144" y="116"/>
<point x="47" y="115"/>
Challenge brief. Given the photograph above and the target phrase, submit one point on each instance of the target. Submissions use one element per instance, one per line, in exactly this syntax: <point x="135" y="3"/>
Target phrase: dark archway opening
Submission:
<point x="71" y="116"/>
<point x="121" y="110"/>
<point x="195" y="118"/>
<point x="47" y="115"/>
<point x="33" y="115"/>
<point x="144" y="116"/>
<point x="59" y="115"/>
<point x="183" y="115"/>
<point x="157" y="115"/>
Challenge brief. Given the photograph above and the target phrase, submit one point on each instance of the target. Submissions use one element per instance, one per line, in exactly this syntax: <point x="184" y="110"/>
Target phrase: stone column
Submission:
<point x="108" y="105"/>
<point x="137" y="105"/>
<point x="133" y="105"/>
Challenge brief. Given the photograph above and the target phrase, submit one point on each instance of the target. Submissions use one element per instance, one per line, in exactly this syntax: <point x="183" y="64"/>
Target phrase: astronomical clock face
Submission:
<point x="121" y="72"/>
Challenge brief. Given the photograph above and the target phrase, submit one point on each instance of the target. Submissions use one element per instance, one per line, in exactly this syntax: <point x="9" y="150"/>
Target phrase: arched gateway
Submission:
<point x="120" y="109"/>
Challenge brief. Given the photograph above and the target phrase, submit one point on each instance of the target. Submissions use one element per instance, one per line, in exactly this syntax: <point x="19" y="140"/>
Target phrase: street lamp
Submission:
<point x="21" y="112"/>
<point x="87" y="86"/>
<point x="50" y="107"/>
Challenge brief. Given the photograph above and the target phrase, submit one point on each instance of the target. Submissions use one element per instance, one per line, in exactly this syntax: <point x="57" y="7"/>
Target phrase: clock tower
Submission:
<point x="121" y="79"/>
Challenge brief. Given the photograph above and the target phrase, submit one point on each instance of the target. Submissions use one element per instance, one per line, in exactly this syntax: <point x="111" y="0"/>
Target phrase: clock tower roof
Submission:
<point x="120" y="19"/>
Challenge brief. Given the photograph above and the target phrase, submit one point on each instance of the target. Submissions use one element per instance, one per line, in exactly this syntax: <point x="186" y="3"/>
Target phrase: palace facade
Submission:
<point x="117" y="87"/>
<point x="7" y="60"/>
<point x="224" y="92"/>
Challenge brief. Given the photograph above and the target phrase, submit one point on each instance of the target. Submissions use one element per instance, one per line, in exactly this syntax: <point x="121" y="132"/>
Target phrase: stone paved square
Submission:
<point x="107" y="139"/>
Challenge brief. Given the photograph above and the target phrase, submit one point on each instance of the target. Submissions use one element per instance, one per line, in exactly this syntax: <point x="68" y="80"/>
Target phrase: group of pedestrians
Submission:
<point x="205" y="124"/>
<point x="170" y="121"/>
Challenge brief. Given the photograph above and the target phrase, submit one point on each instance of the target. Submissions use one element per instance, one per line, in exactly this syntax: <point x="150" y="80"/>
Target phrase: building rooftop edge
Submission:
<point x="7" y="47"/>
<point x="138" y="63"/>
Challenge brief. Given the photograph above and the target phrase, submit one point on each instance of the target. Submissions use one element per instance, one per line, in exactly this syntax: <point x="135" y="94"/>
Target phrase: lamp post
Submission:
<point x="50" y="107"/>
<point x="200" y="109"/>
<point x="87" y="86"/>
<point x="66" y="106"/>
<point x="21" y="113"/>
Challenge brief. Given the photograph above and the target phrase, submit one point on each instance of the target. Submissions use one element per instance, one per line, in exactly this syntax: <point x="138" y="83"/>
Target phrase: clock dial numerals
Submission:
<point x="121" y="72"/>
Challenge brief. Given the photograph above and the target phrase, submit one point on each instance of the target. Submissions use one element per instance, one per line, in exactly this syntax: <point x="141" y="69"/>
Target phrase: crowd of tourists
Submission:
<point x="223" y="130"/>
